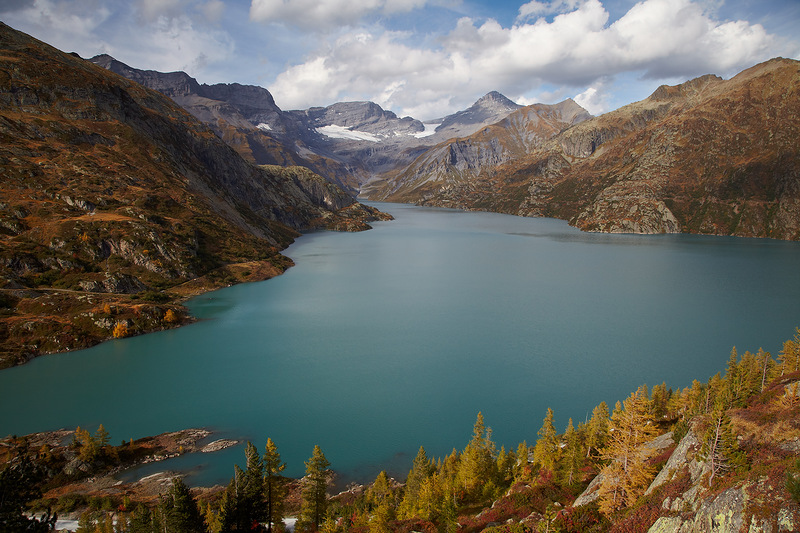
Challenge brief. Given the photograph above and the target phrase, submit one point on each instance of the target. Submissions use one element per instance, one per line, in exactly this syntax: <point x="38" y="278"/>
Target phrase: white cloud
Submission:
<point x="594" y="99"/>
<point x="660" y="39"/>
<point x="212" y="10"/>
<point x="322" y="14"/>
<point x="152" y="10"/>
<point x="156" y="34"/>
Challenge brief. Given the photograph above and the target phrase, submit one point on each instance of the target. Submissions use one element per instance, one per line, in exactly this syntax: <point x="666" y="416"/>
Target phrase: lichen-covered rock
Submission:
<point x="684" y="457"/>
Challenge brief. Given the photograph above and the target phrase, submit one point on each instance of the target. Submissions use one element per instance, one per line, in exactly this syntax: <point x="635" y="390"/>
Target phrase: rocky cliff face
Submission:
<point x="707" y="156"/>
<point x="110" y="188"/>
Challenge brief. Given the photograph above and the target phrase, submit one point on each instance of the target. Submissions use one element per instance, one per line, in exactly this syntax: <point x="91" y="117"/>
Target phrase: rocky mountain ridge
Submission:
<point x="460" y="161"/>
<point x="348" y="142"/>
<point x="110" y="189"/>
<point x="708" y="156"/>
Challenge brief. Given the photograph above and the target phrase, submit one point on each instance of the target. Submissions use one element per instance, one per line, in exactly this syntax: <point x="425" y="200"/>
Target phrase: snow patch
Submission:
<point x="430" y="129"/>
<point x="340" y="132"/>
<point x="264" y="127"/>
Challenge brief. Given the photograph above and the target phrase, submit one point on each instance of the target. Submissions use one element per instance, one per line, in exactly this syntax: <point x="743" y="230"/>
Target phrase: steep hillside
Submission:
<point x="244" y="116"/>
<point x="111" y="189"/>
<point x="707" y="156"/>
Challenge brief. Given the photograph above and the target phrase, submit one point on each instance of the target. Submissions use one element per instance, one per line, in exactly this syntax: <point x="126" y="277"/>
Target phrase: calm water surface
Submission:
<point x="379" y="342"/>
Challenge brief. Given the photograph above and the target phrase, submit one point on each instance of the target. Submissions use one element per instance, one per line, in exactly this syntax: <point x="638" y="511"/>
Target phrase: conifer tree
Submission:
<point x="659" y="398"/>
<point x="274" y="486"/>
<point x="545" y="453"/>
<point x="720" y="446"/>
<point x="506" y="461"/>
<point x="477" y="465"/>
<point x="597" y="429"/>
<point x="627" y="473"/>
<point x="315" y="485"/>
<point x="251" y="491"/>
<point x="231" y="512"/>
<point x="380" y="500"/>
<point x="767" y="365"/>
<point x="430" y="499"/>
<point x="421" y="469"/>
<point x="181" y="514"/>
<point x="789" y="356"/>
<point x="573" y="455"/>
<point x="521" y="465"/>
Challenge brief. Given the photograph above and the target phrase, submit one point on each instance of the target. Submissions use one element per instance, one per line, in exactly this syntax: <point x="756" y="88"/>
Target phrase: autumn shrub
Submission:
<point x="414" y="525"/>
<point x="509" y="528"/>
<point x="583" y="519"/>
<point x="793" y="482"/>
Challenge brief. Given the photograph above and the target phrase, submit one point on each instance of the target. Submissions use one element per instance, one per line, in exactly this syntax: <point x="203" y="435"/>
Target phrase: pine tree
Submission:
<point x="430" y="499"/>
<point x="421" y="469"/>
<point x="627" y="473"/>
<point x="315" y="485"/>
<point x="720" y="446"/>
<point x="733" y="380"/>
<point x="506" y="462"/>
<point x="659" y="398"/>
<point x="274" y="486"/>
<point x="521" y="465"/>
<point x="477" y="465"/>
<point x="767" y="365"/>
<point x="793" y="482"/>
<point x="380" y="500"/>
<point x="789" y="357"/>
<point x="597" y="429"/>
<point x="181" y="514"/>
<point x="545" y="453"/>
<point x="251" y="507"/>
<point x="86" y="444"/>
<point x="229" y="508"/>
<point x="573" y="455"/>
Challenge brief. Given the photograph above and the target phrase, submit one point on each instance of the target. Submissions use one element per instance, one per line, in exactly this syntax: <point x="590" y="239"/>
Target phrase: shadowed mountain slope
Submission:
<point x="109" y="188"/>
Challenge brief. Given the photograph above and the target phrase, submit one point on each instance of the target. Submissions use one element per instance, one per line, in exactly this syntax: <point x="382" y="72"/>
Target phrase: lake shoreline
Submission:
<point x="122" y="308"/>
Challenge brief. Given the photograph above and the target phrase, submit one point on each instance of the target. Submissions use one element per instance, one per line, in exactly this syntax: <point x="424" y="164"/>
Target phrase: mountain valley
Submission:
<point x="708" y="156"/>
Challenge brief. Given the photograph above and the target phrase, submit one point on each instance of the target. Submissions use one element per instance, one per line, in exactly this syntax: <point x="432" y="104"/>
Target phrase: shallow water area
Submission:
<point x="377" y="343"/>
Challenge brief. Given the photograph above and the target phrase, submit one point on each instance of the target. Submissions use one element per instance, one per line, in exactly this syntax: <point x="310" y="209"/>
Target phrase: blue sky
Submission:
<point x="425" y="58"/>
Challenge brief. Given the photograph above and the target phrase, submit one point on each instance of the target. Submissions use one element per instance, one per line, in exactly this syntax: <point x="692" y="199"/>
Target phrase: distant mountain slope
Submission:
<point x="244" y="116"/>
<point x="491" y="108"/>
<point x="348" y="142"/>
<point x="109" y="188"/>
<point x="461" y="161"/>
<point x="707" y="156"/>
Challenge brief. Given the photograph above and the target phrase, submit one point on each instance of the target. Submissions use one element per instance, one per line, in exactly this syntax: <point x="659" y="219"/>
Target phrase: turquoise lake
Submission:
<point x="377" y="343"/>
